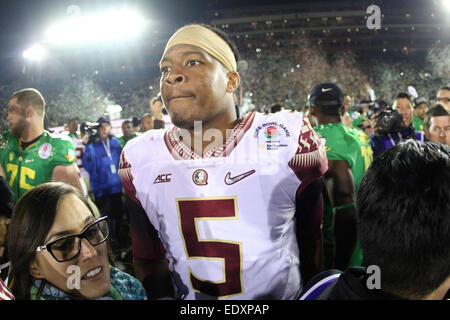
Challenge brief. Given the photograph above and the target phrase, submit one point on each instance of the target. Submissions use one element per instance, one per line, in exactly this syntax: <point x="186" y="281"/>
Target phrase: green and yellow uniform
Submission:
<point x="122" y="139"/>
<point x="417" y="123"/>
<point x="351" y="145"/>
<point x="357" y="119"/>
<point x="28" y="168"/>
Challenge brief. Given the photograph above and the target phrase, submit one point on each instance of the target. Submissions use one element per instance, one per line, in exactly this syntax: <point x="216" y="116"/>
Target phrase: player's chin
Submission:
<point x="182" y="121"/>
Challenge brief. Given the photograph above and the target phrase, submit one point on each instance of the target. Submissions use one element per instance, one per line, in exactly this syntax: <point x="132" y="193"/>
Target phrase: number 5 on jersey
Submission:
<point x="228" y="252"/>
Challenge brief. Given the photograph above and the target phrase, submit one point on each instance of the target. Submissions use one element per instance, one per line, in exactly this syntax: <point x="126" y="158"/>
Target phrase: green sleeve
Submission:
<point x="64" y="153"/>
<point x="334" y="152"/>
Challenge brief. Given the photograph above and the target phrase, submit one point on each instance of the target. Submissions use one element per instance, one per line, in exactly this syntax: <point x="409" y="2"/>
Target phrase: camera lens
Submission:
<point x="386" y="120"/>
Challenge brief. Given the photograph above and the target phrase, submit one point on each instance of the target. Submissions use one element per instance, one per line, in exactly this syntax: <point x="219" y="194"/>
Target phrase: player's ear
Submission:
<point x="233" y="81"/>
<point x="29" y="111"/>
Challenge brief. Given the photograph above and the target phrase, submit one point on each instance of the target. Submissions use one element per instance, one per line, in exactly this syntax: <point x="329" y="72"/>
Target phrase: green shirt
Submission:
<point x="28" y="168"/>
<point x="351" y="145"/>
<point x="122" y="139"/>
<point x="356" y="117"/>
<point x="417" y="123"/>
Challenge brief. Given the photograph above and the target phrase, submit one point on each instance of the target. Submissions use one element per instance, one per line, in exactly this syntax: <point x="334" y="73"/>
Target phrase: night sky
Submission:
<point x="23" y="23"/>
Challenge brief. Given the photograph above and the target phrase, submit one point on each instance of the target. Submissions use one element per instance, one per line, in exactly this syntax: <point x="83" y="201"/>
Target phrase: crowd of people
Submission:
<point x="261" y="205"/>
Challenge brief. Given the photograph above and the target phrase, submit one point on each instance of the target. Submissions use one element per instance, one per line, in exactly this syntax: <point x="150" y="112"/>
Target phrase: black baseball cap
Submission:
<point x="326" y="94"/>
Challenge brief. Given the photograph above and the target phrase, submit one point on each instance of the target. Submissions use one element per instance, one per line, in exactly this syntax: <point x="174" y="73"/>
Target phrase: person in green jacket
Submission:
<point x="420" y="109"/>
<point x="349" y="156"/>
<point x="58" y="249"/>
<point x="128" y="133"/>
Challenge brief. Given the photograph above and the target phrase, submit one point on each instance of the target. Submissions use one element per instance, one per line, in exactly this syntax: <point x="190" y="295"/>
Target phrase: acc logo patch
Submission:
<point x="45" y="150"/>
<point x="200" y="177"/>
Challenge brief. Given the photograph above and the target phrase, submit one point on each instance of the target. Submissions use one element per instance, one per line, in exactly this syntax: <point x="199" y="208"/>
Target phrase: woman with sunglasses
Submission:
<point x="58" y="249"/>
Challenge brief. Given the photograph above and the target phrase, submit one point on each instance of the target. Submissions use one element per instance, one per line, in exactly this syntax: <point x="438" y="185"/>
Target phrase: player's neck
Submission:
<point x="329" y="119"/>
<point x="31" y="133"/>
<point x="210" y="134"/>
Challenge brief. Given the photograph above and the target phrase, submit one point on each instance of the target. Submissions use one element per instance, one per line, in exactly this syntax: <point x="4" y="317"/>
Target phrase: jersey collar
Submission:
<point x="181" y="151"/>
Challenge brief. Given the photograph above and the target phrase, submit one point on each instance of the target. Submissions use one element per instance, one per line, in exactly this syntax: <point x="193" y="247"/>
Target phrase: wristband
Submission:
<point x="344" y="206"/>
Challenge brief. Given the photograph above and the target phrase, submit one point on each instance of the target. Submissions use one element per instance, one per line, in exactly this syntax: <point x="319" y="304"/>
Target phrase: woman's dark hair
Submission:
<point x="31" y="221"/>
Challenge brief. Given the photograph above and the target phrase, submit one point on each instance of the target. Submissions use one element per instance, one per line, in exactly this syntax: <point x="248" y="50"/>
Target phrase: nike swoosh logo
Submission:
<point x="231" y="180"/>
<point x="325" y="90"/>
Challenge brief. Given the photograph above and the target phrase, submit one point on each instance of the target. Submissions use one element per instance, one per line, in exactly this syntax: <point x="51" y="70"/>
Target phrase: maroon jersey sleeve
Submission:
<point x="309" y="164"/>
<point x="127" y="178"/>
<point x="310" y="160"/>
<point x="144" y="238"/>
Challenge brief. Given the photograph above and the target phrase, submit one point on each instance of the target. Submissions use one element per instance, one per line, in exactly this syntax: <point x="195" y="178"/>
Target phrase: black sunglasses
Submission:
<point x="68" y="247"/>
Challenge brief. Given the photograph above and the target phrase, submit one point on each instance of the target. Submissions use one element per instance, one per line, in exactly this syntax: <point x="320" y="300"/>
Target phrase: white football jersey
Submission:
<point x="79" y="149"/>
<point x="227" y="220"/>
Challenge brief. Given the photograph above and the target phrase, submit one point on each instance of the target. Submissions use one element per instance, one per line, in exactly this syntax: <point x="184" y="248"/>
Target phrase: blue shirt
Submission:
<point x="103" y="165"/>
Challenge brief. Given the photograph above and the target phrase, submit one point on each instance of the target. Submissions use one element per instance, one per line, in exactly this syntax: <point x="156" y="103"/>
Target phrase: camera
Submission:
<point x="91" y="129"/>
<point x="389" y="121"/>
<point x="376" y="107"/>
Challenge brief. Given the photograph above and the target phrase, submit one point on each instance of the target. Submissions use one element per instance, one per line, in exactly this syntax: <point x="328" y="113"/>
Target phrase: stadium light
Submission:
<point x="113" y="25"/>
<point x="35" y="52"/>
<point x="114" y="111"/>
<point x="446" y="4"/>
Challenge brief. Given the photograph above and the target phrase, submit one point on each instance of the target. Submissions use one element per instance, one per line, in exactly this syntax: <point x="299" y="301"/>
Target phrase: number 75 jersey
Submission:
<point x="28" y="168"/>
<point x="227" y="219"/>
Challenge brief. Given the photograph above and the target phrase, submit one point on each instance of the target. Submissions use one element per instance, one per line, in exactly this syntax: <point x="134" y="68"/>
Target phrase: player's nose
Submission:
<point x="175" y="77"/>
